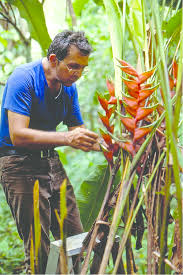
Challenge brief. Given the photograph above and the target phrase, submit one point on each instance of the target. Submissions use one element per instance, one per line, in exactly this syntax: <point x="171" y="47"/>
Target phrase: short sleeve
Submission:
<point x="74" y="117"/>
<point x="18" y="93"/>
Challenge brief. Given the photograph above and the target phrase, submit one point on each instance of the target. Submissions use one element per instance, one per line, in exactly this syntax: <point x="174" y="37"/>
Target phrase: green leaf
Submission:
<point x="135" y="21"/>
<point x="4" y="42"/>
<point x="91" y="194"/>
<point x="62" y="156"/>
<point x="135" y="4"/>
<point x="173" y="25"/>
<point x="138" y="27"/>
<point x="32" y="12"/>
<point x="98" y="2"/>
<point x="78" y="6"/>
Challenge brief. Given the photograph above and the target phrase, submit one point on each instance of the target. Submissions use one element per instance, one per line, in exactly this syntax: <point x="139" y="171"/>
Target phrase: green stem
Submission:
<point x="131" y="219"/>
<point x="145" y="36"/>
<point x="178" y="103"/>
<point x="164" y="218"/>
<point x="163" y="75"/>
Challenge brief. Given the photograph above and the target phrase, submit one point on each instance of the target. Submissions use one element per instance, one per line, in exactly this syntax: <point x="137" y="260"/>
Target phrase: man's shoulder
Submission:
<point x="26" y="74"/>
<point x="30" y="66"/>
<point x="26" y="70"/>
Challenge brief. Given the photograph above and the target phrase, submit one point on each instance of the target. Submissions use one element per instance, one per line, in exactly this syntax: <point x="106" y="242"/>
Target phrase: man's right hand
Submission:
<point x="81" y="138"/>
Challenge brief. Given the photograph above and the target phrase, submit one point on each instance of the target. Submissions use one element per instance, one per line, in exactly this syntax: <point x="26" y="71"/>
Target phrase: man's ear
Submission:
<point x="53" y="59"/>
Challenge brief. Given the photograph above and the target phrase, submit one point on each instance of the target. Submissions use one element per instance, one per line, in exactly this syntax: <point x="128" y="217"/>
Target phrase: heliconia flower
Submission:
<point x="134" y="103"/>
<point x="145" y="75"/>
<point x="171" y="83"/>
<point x="109" y="112"/>
<point x="175" y="72"/>
<point x="127" y="68"/>
<point x="115" y="148"/>
<point x="141" y="132"/>
<point x="129" y="123"/>
<point x="128" y="146"/>
<point x="133" y="93"/>
<point x="131" y="84"/>
<point x="131" y="111"/>
<point x="139" y="91"/>
<point x="105" y="120"/>
<point x="109" y="157"/>
<point x="131" y="102"/>
<point x="143" y="112"/>
<point x="110" y="86"/>
<point x="103" y="102"/>
<point x="146" y="86"/>
<point x="111" y="129"/>
<point x="107" y="138"/>
<point x="143" y="94"/>
<point x="113" y="100"/>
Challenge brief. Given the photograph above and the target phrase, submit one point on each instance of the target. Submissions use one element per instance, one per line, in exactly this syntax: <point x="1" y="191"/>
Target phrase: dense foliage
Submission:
<point x="12" y="53"/>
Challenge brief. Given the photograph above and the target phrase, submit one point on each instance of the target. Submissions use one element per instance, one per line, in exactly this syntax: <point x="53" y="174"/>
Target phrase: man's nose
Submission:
<point x="78" y="73"/>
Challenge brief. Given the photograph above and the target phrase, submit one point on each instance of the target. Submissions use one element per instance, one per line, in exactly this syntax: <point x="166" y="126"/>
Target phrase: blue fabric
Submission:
<point x="27" y="93"/>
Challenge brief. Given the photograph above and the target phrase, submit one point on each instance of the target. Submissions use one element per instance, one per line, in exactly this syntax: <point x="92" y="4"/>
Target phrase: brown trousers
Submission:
<point x="18" y="175"/>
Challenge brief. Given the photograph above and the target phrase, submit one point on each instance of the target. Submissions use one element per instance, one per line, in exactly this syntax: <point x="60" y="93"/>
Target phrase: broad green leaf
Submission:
<point x="173" y="25"/>
<point x="91" y="194"/>
<point x="78" y="5"/>
<point x="62" y="156"/>
<point x="32" y="12"/>
<point x="138" y="27"/>
<point x="135" y="21"/>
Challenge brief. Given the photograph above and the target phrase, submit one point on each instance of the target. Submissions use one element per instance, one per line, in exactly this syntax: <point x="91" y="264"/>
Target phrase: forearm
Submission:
<point x="23" y="136"/>
<point x="78" y="138"/>
<point x="31" y="138"/>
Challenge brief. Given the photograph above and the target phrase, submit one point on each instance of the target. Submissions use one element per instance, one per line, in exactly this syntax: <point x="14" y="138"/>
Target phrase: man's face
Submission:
<point x="70" y="69"/>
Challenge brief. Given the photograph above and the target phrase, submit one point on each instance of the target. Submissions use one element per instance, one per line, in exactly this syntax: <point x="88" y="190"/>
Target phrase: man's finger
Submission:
<point x="87" y="144"/>
<point x="89" y="139"/>
<point x="91" y="134"/>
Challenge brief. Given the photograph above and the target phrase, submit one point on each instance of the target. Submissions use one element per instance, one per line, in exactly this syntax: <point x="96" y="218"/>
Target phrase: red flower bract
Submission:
<point x="134" y="104"/>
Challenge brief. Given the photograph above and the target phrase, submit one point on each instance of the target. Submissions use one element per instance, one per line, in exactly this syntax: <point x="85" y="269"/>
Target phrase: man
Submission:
<point x="37" y="97"/>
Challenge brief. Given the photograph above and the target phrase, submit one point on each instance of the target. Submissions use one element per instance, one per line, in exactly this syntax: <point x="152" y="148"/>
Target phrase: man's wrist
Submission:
<point x="67" y="138"/>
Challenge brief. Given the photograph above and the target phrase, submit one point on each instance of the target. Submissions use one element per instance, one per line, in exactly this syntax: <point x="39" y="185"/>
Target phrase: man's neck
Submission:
<point x="53" y="84"/>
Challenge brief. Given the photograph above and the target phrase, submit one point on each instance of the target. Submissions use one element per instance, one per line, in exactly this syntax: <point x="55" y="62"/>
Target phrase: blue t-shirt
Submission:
<point x="27" y="93"/>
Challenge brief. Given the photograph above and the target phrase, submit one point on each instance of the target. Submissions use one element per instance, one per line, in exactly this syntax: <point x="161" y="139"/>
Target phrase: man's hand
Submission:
<point x="81" y="138"/>
<point x="99" y="144"/>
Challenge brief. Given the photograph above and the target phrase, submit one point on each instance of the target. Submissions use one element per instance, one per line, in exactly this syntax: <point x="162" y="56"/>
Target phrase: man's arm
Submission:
<point x="22" y="136"/>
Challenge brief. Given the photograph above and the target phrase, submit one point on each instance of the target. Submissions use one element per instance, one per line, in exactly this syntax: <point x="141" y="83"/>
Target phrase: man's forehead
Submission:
<point x="75" y="55"/>
<point x="74" y="50"/>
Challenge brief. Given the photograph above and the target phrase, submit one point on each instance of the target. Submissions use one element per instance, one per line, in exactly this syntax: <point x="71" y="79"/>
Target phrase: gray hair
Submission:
<point x="62" y="42"/>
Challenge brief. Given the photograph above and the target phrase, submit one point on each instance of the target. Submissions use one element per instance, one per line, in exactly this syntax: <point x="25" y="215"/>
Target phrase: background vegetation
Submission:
<point x="12" y="54"/>
<point x="21" y="42"/>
